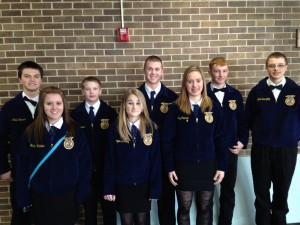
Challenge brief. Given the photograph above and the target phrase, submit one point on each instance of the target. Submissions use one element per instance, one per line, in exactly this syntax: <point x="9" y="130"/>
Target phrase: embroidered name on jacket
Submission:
<point x="18" y="119"/>
<point x="263" y="99"/>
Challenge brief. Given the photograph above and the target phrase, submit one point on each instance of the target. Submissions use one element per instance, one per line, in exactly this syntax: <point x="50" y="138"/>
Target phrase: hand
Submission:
<point x="237" y="148"/>
<point x="110" y="198"/>
<point x="219" y="176"/>
<point x="6" y="176"/>
<point x="173" y="177"/>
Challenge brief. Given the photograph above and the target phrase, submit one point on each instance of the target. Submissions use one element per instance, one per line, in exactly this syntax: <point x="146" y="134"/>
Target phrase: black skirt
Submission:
<point x="195" y="176"/>
<point x="60" y="209"/>
<point x="133" y="199"/>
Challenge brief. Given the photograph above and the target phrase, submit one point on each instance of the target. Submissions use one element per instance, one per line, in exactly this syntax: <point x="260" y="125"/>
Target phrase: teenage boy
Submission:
<point x="231" y="102"/>
<point x="94" y="116"/>
<point x="158" y="97"/>
<point x="15" y="116"/>
<point x="272" y="111"/>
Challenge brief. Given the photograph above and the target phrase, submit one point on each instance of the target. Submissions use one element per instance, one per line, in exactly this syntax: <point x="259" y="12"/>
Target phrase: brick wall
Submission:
<point x="72" y="39"/>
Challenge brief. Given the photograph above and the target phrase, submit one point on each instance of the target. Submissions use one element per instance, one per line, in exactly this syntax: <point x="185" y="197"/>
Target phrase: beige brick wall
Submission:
<point x="72" y="39"/>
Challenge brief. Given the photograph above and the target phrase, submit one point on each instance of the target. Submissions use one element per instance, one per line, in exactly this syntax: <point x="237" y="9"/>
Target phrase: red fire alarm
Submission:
<point x="123" y="34"/>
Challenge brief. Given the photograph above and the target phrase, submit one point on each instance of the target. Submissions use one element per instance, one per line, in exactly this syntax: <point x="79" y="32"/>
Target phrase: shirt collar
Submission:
<point x="96" y="106"/>
<point x="283" y="82"/>
<point x="198" y="103"/>
<point x="148" y="89"/>
<point x="136" y="123"/>
<point x="58" y="124"/>
<point x="36" y="98"/>
<point x="212" y="86"/>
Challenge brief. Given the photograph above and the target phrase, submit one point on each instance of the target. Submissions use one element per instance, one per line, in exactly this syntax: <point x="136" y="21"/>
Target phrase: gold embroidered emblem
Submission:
<point x="290" y="100"/>
<point x="232" y="104"/>
<point x="147" y="139"/>
<point x="208" y="117"/>
<point x="104" y="124"/>
<point x="68" y="143"/>
<point x="164" y="107"/>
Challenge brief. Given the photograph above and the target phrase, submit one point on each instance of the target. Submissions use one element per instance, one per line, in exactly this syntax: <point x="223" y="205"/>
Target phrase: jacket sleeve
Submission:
<point x="168" y="135"/>
<point x="109" y="175"/>
<point x="85" y="167"/>
<point x="4" y="142"/>
<point x="155" y="167"/>
<point x="250" y="108"/>
<point x="242" y="125"/>
<point x="22" y="174"/>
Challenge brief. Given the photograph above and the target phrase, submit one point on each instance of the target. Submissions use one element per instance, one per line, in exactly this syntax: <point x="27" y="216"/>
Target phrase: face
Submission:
<point x="91" y="92"/>
<point x="219" y="75"/>
<point x="53" y="107"/>
<point x="153" y="73"/>
<point x="276" y="69"/>
<point x="194" y="85"/>
<point x="31" y="80"/>
<point x="133" y="108"/>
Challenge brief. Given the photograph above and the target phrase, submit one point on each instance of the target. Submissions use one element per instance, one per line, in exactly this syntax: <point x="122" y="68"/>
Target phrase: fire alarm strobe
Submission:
<point x="123" y="34"/>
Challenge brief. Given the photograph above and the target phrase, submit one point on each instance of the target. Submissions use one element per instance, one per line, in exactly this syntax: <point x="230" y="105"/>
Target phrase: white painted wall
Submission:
<point x="244" y="212"/>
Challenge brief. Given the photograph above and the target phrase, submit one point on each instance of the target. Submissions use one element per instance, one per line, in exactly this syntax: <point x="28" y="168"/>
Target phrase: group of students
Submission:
<point x="158" y="145"/>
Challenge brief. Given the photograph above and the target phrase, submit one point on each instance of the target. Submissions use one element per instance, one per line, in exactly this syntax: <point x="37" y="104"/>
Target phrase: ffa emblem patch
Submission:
<point x="290" y="100"/>
<point x="68" y="143"/>
<point x="104" y="124"/>
<point x="148" y="139"/>
<point x="164" y="107"/>
<point x="232" y="104"/>
<point x="208" y="117"/>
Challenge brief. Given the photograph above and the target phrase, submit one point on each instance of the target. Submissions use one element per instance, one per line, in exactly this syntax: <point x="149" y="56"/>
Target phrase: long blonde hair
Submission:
<point x="183" y="98"/>
<point x="145" y="121"/>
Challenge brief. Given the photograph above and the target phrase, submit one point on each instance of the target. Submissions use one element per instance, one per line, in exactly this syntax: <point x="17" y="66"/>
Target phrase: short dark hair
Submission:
<point x="31" y="65"/>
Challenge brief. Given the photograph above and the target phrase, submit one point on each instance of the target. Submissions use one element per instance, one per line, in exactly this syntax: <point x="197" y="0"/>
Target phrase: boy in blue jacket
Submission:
<point x="231" y="102"/>
<point x="94" y="116"/>
<point x="272" y="111"/>
<point x="158" y="97"/>
<point x="15" y="116"/>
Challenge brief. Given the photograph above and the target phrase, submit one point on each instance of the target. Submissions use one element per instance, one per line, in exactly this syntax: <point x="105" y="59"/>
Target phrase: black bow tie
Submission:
<point x="29" y="100"/>
<point x="272" y="87"/>
<point x="221" y="89"/>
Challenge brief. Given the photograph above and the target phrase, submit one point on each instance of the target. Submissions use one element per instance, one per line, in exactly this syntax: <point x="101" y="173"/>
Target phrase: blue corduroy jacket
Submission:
<point x="234" y="115"/>
<point x="184" y="139"/>
<point x="127" y="164"/>
<point x="274" y="123"/>
<point x="65" y="170"/>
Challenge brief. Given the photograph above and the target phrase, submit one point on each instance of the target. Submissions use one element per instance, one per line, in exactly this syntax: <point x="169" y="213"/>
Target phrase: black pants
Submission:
<point x="227" y="194"/>
<point x="276" y="166"/>
<point x="91" y="208"/>
<point x="18" y="216"/>
<point x="166" y="203"/>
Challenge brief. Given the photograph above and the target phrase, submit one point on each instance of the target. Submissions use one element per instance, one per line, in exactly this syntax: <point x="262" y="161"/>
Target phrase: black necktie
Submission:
<point x="196" y="109"/>
<point x="152" y="93"/>
<point x="52" y="132"/>
<point x="134" y="131"/>
<point x="91" y="113"/>
<point x="29" y="100"/>
<point x="272" y="87"/>
<point x="221" y="89"/>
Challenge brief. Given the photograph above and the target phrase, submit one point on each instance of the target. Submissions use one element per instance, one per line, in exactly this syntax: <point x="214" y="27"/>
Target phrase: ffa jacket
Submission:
<point x="127" y="163"/>
<point x="160" y="108"/>
<point x="234" y="115"/>
<point x="96" y="132"/>
<point x="274" y="123"/>
<point x="14" y="118"/>
<point x="68" y="168"/>
<point x="184" y="139"/>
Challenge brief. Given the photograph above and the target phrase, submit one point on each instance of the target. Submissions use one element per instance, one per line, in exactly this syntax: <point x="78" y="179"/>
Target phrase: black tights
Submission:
<point x="185" y="199"/>
<point x="135" y="218"/>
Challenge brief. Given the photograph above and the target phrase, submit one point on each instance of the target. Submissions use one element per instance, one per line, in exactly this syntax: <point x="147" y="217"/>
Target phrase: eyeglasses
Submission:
<point x="273" y="66"/>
